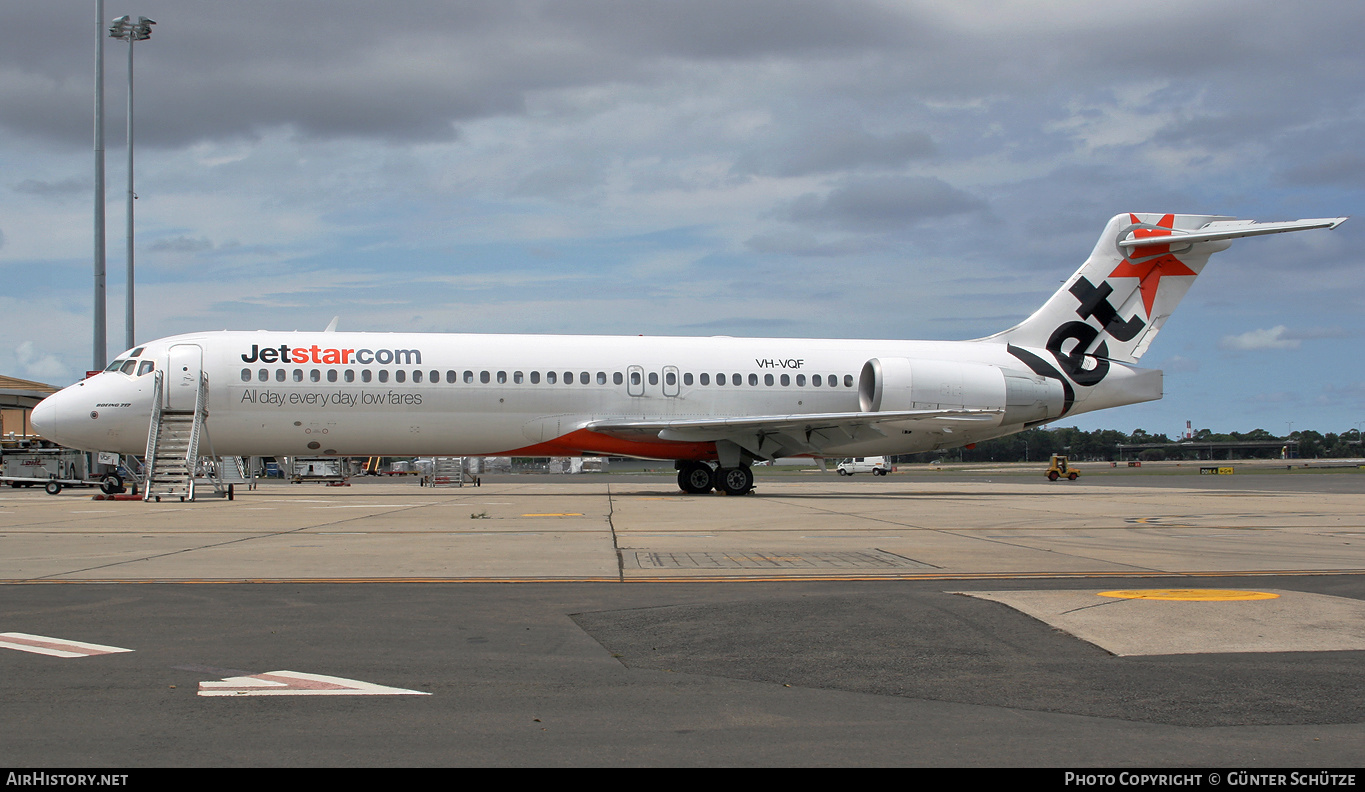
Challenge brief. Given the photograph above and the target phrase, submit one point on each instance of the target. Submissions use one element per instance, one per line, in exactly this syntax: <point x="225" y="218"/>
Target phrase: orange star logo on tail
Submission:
<point x="1158" y="263"/>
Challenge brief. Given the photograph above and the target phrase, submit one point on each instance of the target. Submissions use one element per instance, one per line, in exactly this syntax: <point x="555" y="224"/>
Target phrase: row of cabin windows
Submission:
<point x="551" y="377"/>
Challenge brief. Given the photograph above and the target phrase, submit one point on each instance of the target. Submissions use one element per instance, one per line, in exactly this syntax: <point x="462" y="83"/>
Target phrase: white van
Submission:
<point x="875" y="465"/>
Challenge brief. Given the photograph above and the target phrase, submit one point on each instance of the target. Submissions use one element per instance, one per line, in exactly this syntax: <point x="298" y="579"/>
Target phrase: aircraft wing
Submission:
<point x="771" y="436"/>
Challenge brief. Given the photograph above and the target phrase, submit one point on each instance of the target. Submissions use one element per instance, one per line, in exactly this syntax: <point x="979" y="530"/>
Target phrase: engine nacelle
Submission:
<point x="893" y="384"/>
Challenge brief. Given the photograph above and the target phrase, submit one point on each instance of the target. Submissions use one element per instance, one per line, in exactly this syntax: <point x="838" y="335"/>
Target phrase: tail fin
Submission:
<point x="1116" y="303"/>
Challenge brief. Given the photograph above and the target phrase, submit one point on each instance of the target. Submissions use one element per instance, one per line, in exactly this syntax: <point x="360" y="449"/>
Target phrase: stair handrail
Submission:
<point x="153" y="435"/>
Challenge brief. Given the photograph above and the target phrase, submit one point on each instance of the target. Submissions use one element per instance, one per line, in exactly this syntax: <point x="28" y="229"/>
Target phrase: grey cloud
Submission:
<point x="826" y="150"/>
<point x="563" y="180"/>
<point x="1343" y="168"/>
<point x="406" y="71"/>
<point x="181" y="244"/>
<point x="884" y="204"/>
<point x="414" y="69"/>
<point x="59" y="189"/>
<point x="802" y="244"/>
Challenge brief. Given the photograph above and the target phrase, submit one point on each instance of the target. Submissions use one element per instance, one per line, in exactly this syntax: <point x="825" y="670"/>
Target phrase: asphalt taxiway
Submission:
<point x="929" y="619"/>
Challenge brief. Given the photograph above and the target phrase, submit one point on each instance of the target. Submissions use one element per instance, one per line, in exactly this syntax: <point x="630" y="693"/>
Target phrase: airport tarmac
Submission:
<point x="925" y="619"/>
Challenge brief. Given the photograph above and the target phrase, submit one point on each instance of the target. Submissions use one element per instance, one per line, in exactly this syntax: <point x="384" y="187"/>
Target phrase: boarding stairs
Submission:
<point x="447" y="472"/>
<point x="232" y="470"/>
<point x="173" y="440"/>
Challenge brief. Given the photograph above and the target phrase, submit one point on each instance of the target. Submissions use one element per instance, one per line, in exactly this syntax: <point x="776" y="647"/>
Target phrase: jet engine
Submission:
<point x="893" y="384"/>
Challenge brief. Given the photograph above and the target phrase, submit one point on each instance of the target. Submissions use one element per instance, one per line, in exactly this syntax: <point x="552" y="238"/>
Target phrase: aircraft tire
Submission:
<point x="735" y="481"/>
<point x="696" y="478"/>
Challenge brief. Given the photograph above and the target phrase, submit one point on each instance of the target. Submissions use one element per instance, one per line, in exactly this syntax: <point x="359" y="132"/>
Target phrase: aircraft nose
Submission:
<point x="44" y="418"/>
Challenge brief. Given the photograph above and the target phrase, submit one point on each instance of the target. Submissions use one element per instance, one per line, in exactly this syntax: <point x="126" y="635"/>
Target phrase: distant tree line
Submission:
<point x="1034" y="445"/>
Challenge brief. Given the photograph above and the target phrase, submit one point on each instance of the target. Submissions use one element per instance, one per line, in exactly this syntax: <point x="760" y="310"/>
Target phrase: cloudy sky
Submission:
<point x="765" y="167"/>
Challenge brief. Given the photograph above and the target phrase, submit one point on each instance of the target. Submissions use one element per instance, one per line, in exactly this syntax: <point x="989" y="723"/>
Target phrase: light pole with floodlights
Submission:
<point x="125" y="29"/>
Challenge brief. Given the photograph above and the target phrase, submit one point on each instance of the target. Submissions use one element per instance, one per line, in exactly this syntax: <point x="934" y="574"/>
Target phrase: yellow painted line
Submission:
<point x="555" y="514"/>
<point x="1191" y="595"/>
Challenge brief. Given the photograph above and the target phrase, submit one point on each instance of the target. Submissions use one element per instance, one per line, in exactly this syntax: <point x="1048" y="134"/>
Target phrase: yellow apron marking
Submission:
<point x="1191" y="595"/>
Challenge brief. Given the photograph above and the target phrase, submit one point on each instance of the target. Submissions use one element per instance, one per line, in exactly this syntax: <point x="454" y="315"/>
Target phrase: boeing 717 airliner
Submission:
<point x="713" y="405"/>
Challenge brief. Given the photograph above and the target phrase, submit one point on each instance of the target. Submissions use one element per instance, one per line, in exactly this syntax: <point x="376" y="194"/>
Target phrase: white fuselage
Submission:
<point x="399" y="394"/>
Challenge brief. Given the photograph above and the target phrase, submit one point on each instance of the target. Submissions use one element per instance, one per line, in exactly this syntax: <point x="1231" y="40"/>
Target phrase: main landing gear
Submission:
<point x="696" y="478"/>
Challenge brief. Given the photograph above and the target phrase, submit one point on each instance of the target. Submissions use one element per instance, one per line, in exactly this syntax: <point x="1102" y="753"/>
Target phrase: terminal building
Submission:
<point x="17" y="399"/>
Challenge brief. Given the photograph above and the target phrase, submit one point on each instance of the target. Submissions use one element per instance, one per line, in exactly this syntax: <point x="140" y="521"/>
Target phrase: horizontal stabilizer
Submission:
<point x="1228" y="229"/>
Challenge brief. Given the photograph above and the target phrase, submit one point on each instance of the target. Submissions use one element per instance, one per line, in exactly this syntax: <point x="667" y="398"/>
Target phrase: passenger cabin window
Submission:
<point x="705" y="379"/>
<point x="298" y="375"/>
<point x="584" y="378"/>
<point x="450" y="378"/>
<point x="331" y="375"/>
<point x="417" y="376"/>
<point x="550" y="377"/>
<point x="502" y="378"/>
<point x="279" y="375"/>
<point x="616" y="378"/>
<point x="246" y="375"/>
<point x="768" y="379"/>
<point x="350" y="375"/>
<point x="383" y="375"/>
<point x="366" y="375"/>
<point x="535" y="377"/>
<point x="468" y="377"/>
<point x="485" y="377"/>
<point x="753" y="379"/>
<point x="315" y="375"/>
<point x="400" y="376"/>
<point x="653" y="378"/>
<point x="687" y="378"/>
<point x="568" y="378"/>
<point x="848" y="380"/>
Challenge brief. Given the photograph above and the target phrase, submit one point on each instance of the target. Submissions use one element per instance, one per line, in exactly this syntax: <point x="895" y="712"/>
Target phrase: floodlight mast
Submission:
<point x="101" y="351"/>
<point x="125" y="29"/>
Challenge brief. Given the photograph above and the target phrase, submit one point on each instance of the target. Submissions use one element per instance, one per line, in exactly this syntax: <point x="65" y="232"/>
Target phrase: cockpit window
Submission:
<point x="115" y="365"/>
<point x="145" y="367"/>
<point x="129" y="367"/>
<point x="136" y="352"/>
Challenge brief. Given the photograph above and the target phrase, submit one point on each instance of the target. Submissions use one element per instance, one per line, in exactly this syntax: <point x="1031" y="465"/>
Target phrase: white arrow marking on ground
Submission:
<point x="294" y="683"/>
<point x="56" y="647"/>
